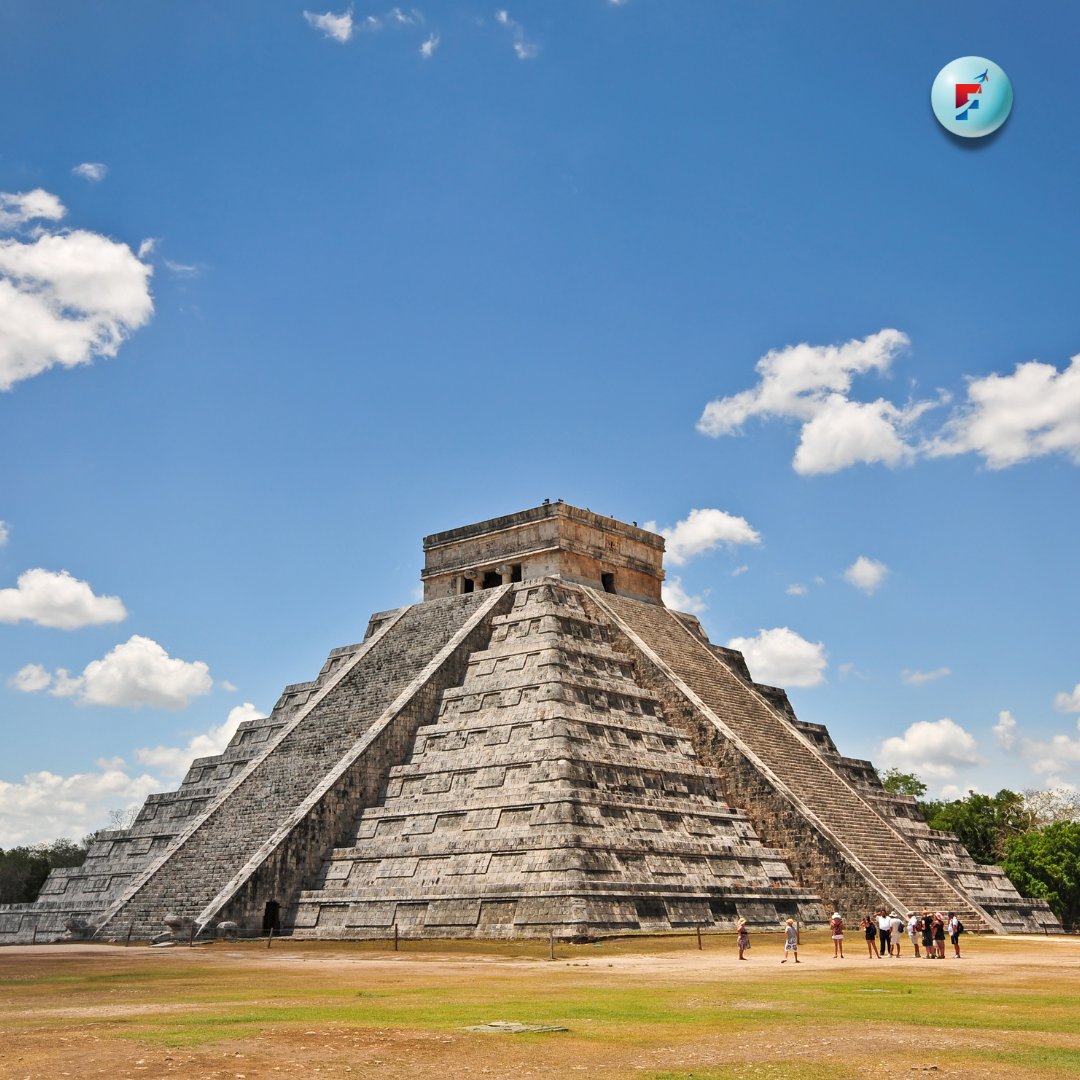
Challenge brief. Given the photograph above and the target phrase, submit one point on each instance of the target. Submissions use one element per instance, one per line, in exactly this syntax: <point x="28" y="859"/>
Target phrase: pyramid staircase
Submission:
<point x="269" y="827"/>
<point x="829" y="824"/>
<point x="551" y="795"/>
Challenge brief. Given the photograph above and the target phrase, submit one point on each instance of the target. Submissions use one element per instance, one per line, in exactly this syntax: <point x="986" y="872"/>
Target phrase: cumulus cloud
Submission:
<point x="781" y="657"/>
<point x="175" y="760"/>
<point x="36" y="205"/>
<point x="932" y="748"/>
<point x="739" y="570"/>
<point x="1005" y="730"/>
<point x="1008" y="419"/>
<point x="1067" y="701"/>
<point x="5" y="533"/>
<point x="428" y="47"/>
<point x="843" y="433"/>
<point x="866" y="574"/>
<point x="523" y="48"/>
<point x="811" y="384"/>
<point x="94" y="171"/>
<point x="675" y="596"/>
<point x="1050" y="759"/>
<point x="336" y="27"/>
<point x="30" y="679"/>
<point x="65" y="296"/>
<point x="136" y="673"/>
<point x="920" y="678"/>
<point x="57" y="600"/>
<point x="796" y="590"/>
<point x="704" y="530"/>
<point x="45" y="805"/>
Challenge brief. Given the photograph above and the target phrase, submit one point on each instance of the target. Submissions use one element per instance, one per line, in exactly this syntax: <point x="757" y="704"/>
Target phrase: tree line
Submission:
<point x="1034" y="836"/>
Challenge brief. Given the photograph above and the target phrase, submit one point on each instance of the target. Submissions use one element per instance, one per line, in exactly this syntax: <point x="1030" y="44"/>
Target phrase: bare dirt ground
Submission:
<point x="659" y="1009"/>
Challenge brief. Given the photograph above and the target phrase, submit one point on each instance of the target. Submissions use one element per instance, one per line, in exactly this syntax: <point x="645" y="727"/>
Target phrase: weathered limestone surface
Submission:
<point x="835" y="836"/>
<point x="541" y="746"/>
<point x="553" y="540"/>
<point x="551" y="795"/>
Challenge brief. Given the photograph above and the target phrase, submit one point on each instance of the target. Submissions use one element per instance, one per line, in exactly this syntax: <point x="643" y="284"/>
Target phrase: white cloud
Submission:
<point x="428" y="47"/>
<point x="175" y="760"/>
<point x="45" y="806"/>
<point x="676" y="597"/>
<point x="866" y="574"/>
<point x="149" y="246"/>
<point x="811" y="384"/>
<point x="843" y="433"/>
<point x="1013" y="418"/>
<point x="94" y="171"/>
<point x="523" y="48"/>
<point x="920" y="678"/>
<point x="798" y="380"/>
<point x="1049" y="758"/>
<point x="1068" y="702"/>
<point x="739" y="570"/>
<point x="781" y="657"/>
<point x="796" y="590"/>
<point x="703" y="530"/>
<point x="227" y="686"/>
<point x="1005" y="730"/>
<point x="336" y="27"/>
<point x="30" y="679"/>
<point x="57" y="600"/>
<point x="931" y="748"/>
<point x="65" y="296"/>
<point x="138" y="672"/>
<point x="183" y="270"/>
<point x="5" y="533"/>
<point x="18" y="209"/>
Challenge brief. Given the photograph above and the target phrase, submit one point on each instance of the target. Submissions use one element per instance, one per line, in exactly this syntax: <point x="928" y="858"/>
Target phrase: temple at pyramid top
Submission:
<point x="554" y="540"/>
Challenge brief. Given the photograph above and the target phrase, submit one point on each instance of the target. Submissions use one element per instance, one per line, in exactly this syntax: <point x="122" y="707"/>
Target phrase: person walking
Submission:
<point x="870" y="933"/>
<point x="836" y="925"/>
<point x="791" y="941"/>
<point x="742" y="939"/>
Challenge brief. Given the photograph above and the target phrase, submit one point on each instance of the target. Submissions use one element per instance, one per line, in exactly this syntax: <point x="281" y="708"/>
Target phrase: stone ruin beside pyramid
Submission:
<point x="540" y="746"/>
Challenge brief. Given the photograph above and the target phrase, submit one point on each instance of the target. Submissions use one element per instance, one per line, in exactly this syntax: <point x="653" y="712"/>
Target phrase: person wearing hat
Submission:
<point x="742" y="939"/>
<point x="836" y="925"/>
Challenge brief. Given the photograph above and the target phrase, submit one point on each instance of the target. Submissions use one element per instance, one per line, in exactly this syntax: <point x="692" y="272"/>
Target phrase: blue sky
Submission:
<point x="280" y="293"/>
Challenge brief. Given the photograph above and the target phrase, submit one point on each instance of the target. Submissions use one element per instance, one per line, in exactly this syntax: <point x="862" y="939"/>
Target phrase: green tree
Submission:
<point x="983" y="823"/>
<point x="902" y="783"/>
<point x="23" y="870"/>
<point x="1045" y="863"/>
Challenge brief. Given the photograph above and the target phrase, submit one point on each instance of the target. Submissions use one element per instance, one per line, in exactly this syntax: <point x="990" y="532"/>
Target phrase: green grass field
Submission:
<point x="653" y="1008"/>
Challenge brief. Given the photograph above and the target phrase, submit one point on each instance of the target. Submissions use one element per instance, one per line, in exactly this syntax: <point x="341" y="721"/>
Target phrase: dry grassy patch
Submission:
<point x="655" y="1008"/>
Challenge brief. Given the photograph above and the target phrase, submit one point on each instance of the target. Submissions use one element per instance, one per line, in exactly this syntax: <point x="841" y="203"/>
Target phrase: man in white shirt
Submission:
<point x="884" y="925"/>
<point x="914" y="931"/>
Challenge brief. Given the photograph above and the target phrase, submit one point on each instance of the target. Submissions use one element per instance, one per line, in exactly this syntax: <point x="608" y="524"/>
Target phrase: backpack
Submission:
<point x="959" y="927"/>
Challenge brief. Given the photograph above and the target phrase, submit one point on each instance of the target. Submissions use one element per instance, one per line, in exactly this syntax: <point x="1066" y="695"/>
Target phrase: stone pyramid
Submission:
<point x="540" y="746"/>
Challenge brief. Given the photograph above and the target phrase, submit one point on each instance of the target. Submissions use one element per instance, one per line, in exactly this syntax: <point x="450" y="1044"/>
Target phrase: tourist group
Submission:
<point x="884" y="933"/>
